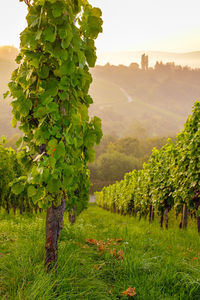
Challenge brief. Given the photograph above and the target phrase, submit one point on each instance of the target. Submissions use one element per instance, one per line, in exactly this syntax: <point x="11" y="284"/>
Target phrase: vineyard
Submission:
<point x="45" y="184"/>
<point x="17" y="195"/>
<point x="11" y="169"/>
<point x="169" y="180"/>
<point x="50" y="102"/>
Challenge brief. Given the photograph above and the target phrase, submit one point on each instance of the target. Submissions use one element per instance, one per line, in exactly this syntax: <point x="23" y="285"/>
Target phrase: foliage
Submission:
<point x="50" y="99"/>
<point x="187" y="161"/>
<point x="12" y="174"/>
<point x="169" y="179"/>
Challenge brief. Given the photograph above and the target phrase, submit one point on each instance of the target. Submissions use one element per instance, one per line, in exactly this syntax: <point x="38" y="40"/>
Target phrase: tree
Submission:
<point x="50" y="92"/>
<point x="134" y="66"/>
<point x="144" y="62"/>
<point x="113" y="165"/>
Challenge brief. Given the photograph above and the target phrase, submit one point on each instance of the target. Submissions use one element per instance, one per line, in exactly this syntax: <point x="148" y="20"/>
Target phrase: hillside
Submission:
<point x="156" y="101"/>
<point x="131" y="102"/>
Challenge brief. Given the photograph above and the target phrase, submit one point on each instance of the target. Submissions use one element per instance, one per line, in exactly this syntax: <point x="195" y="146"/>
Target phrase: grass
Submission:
<point x="160" y="264"/>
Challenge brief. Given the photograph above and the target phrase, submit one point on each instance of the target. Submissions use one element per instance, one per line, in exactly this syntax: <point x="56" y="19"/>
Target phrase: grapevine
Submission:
<point x="170" y="179"/>
<point x="50" y="103"/>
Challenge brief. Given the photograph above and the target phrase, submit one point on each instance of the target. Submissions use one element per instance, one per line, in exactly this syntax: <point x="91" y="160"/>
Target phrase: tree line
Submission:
<point x="117" y="156"/>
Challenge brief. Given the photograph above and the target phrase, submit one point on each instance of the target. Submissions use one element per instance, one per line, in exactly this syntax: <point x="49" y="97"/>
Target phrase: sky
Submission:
<point x="129" y="25"/>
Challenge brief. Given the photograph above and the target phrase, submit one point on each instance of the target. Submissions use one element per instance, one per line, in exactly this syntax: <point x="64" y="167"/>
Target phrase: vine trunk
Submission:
<point x="54" y="224"/>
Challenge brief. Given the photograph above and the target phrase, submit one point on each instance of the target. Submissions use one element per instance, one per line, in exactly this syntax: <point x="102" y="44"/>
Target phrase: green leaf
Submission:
<point x="50" y="34"/>
<point x="91" y="154"/>
<point x="82" y="59"/>
<point x="19" y="58"/>
<point x="52" y="87"/>
<point x="52" y="107"/>
<point x="40" y="194"/>
<point x="28" y="39"/>
<point x="57" y="73"/>
<point x="43" y="73"/>
<point x="96" y="12"/>
<point x="38" y="35"/>
<point x="66" y="42"/>
<point x="68" y="172"/>
<point x="62" y="31"/>
<point x="90" y="53"/>
<point x="19" y="143"/>
<point x="52" y="143"/>
<point x="33" y="57"/>
<point x="14" y="122"/>
<point x="40" y="112"/>
<point x="31" y="191"/>
<point x="67" y="68"/>
<point x="53" y="186"/>
<point x="25" y="106"/>
<point x="94" y="26"/>
<point x="46" y="98"/>
<point x="5" y="95"/>
<point x="60" y="150"/>
<point x="3" y="139"/>
<point x="52" y="162"/>
<point x="33" y="16"/>
<point x="57" y="9"/>
<point x="18" y="188"/>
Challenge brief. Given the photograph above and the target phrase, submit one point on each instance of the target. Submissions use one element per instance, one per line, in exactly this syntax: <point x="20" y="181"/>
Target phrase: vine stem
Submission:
<point x="54" y="224"/>
<point x="27" y="2"/>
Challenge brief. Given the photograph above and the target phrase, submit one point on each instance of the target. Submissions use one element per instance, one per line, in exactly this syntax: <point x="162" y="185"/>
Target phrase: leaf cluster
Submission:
<point x="50" y="98"/>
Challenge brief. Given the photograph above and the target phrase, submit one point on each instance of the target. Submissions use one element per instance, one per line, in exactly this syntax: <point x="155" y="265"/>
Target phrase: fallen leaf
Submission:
<point x="119" y="240"/>
<point x="130" y="292"/>
<point x="101" y="248"/>
<point x="120" y="255"/>
<point x="91" y="241"/>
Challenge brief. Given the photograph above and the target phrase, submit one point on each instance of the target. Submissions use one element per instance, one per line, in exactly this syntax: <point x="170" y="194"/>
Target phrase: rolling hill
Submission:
<point x="130" y="101"/>
<point x="157" y="100"/>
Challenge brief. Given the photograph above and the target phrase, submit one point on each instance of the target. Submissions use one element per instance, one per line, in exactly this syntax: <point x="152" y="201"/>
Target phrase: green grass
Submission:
<point x="158" y="263"/>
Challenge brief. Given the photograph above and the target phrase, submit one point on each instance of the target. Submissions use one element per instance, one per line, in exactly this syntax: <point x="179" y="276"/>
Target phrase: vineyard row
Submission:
<point x="169" y="180"/>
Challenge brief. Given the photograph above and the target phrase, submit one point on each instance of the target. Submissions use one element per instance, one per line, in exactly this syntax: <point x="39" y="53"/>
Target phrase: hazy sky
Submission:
<point x="169" y="25"/>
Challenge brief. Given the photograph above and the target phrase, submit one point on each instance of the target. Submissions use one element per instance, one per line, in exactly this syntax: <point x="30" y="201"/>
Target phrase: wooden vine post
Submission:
<point x="51" y="101"/>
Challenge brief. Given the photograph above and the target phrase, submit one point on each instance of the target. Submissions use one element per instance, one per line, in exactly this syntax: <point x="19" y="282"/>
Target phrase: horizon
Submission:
<point x="121" y="51"/>
<point x="131" y="56"/>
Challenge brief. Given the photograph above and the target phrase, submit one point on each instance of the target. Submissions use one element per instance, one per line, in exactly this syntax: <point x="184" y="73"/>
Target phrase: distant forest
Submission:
<point x="117" y="156"/>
